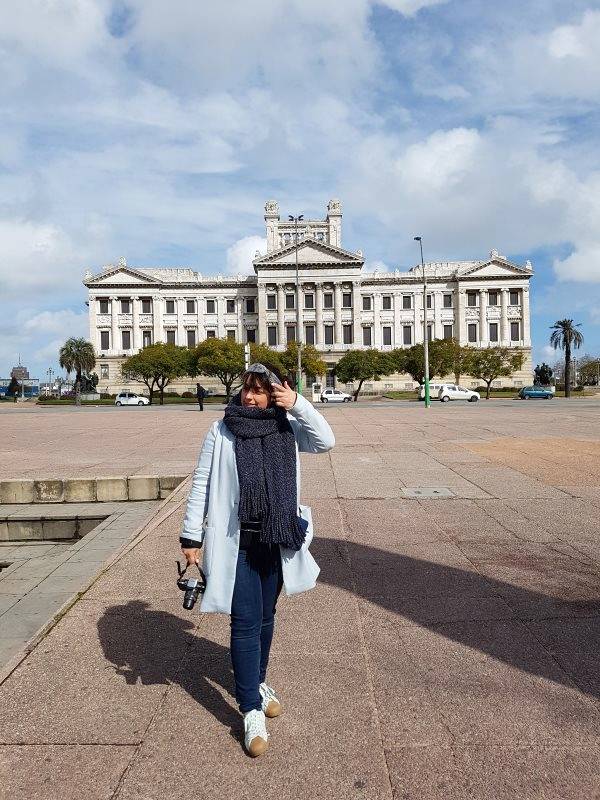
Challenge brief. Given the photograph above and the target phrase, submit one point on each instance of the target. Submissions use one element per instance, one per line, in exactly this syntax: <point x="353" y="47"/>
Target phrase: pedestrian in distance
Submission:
<point x="253" y="532"/>
<point x="200" y="395"/>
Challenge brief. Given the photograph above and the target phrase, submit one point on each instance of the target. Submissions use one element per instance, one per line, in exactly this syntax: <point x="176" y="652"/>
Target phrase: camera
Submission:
<point x="193" y="587"/>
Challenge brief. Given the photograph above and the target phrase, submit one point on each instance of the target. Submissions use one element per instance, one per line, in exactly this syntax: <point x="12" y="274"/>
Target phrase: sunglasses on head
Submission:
<point x="260" y="369"/>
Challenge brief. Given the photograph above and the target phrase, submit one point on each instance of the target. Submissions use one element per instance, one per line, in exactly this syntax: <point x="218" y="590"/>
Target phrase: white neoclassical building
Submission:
<point x="481" y="303"/>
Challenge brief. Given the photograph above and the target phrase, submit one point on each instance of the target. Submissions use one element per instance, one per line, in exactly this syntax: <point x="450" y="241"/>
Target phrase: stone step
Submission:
<point x="105" y="489"/>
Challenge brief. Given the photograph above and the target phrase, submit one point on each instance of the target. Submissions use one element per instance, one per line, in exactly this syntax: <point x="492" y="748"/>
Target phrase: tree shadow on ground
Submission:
<point x="157" y="647"/>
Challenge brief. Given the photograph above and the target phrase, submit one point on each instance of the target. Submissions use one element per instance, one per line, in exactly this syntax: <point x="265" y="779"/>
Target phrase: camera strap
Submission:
<point x="184" y="570"/>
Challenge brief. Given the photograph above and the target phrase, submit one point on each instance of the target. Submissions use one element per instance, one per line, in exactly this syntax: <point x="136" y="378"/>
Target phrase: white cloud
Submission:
<point x="241" y="254"/>
<point x="410" y="7"/>
<point x="66" y="322"/>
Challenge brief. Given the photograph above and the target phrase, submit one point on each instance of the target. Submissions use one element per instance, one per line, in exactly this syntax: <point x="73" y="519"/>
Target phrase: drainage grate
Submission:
<point x="440" y="491"/>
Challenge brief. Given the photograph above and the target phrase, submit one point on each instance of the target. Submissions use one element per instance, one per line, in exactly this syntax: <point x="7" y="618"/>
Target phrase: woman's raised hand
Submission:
<point x="283" y="396"/>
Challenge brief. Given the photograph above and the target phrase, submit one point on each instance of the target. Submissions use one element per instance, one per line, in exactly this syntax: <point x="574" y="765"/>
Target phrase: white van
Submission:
<point x="434" y="389"/>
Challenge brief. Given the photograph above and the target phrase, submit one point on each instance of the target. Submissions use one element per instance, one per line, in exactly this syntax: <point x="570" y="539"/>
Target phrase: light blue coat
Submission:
<point x="211" y="516"/>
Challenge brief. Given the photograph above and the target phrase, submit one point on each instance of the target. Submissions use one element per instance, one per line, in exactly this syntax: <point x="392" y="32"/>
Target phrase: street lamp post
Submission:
<point x="425" y="337"/>
<point x="296" y="220"/>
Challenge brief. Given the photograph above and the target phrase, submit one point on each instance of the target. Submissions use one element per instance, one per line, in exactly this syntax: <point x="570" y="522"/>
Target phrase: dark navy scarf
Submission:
<point x="265" y="452"/>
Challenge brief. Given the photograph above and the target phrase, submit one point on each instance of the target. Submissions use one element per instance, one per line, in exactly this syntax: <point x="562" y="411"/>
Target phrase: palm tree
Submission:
<point x="566" y="336"/>
<point x="78" y="356"/>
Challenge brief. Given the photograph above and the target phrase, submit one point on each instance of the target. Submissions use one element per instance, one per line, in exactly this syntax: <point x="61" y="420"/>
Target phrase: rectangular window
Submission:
<point x="328" y="334"/>
<point x="493" y="298"/>
<point x="146" y="305"/>
<point x="406" y="301"/>
<point x="210" y="306"/>
<point x="367" y="303"/>
<point x="428" y="301"/>
<point x="309" y="300"/>
<point x="272" y="335"/>
<point x="251" y="335"/>
<point x="515" y="331"/>
<point x="191" y="338"/>
<point x="231" y="334"/>
<point x="170" y="336"/>
<point x="347" y="334"/>
<point x="430" y="333"/>
<point x="104" y="305"/>
<point x="230" y="306"/>
<point x="250" y="305"/>
<point x="309" y="334"/>
<point x="211" y="333"/>
<point x="271" y="302"/>
<point x="126" y="340"/>
<point x="471" y="299"/>
<point x="104" y="340"/>
<point x="387" y="302"/>
<point x="447" y="301"/>
<point x="170" y="306"/>
<point x="514" y="297"/>
<point x="493" y="331"/>
<point x="190" y="306"/>
<point x="290" y="302"/>
<point x="448" y="331"/>
<point x="346" y="300"/>
<point x="125" y="306"/>
<point x="104" y="372"/>
<point x="146" y="338"/>
<point x="387" y="335"/>
<point x="328" y="300"/>
<point x="367" y="336"/>
<point x="472" y="332"/>
<point x="290" y="333"/>
<point x="407" y="334"/>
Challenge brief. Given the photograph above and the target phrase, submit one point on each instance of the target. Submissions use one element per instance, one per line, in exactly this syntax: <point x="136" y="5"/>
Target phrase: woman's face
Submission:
<point x="255" y="394"/>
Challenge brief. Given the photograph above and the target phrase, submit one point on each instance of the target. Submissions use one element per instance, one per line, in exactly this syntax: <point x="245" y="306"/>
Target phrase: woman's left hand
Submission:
<point x="283" y="396"/>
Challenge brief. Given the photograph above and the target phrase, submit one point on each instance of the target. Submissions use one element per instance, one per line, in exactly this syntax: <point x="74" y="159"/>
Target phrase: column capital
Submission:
<point x="134" y="297"/>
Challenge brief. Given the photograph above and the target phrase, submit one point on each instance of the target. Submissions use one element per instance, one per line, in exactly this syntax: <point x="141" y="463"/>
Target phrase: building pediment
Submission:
<point x="311" y="253"/>
<point x="496" y="267"/>
<point x="122" y="276"/>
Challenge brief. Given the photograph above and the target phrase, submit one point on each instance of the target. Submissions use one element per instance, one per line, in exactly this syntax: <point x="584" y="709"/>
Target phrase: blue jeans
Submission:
<point x="258" y="583"/>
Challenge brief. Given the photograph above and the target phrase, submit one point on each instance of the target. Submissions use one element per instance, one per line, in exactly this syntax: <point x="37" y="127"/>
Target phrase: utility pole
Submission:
<point x="425" y="336"/>
<point x="296" y="220"/>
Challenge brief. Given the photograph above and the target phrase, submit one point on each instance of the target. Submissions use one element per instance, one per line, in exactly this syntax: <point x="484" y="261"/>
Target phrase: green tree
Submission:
<point x="312" y="363"/>
<point x="543" y="374"/>
<point x="489" y="363"/>
<point x="78" y="356"/>
<point x="219" y="358"/>
<point x="263" y="354"/>
<point x="565" y="336"/>
<point x="589" y="370"/>
<point x="460" y="356"/>
<point x="156" y="366"/>
<point x="363" y="365"/>
<point x="441" y="360"/>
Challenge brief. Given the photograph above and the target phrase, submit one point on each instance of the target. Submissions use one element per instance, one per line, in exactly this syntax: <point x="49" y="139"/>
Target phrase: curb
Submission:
<point x="105" y="489"/>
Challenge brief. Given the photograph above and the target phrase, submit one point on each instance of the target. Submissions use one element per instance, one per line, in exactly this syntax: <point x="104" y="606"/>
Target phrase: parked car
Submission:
<point x="434" y="389"/>
<point x="335" y="396"/>
<point x="131" y="399"/>
<point x="450" y="391"/>
<point x="541" y="392"/>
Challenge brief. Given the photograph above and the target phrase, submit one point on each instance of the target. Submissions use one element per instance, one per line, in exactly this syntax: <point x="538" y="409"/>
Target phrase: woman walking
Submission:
<point x="244" y="509"/>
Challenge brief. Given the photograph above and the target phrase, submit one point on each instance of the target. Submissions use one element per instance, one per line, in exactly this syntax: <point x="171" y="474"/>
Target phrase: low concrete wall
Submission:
<point x="107" y="489"/>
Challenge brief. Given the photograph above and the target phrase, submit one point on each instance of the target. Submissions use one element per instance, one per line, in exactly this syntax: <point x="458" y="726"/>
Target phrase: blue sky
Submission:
<point x="157" y="131"/>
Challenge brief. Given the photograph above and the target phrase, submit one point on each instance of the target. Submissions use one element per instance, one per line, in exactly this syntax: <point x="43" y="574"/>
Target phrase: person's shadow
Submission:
<point x="156" y="647"/>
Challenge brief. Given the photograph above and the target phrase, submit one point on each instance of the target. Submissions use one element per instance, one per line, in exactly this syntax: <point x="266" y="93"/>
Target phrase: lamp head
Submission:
<point x="417" y="238"/>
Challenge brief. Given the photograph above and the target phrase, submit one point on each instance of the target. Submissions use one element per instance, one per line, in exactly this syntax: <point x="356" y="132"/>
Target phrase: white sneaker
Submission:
<point x="270" y="704"/>
<point x="255" y="732"/>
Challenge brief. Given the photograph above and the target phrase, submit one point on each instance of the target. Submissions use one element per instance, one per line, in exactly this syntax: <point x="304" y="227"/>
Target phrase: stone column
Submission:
<point x="239" y="312"/>
<point x="525" y="317"/>
<point x="438" y="331"/>
<point x="319" y="315"/>
<point x="460" y="324"/>
<point x="220" y="317"/>
<point x="93" y="317"/>
<point x="337" y="305"/>
<point x="115" y="344"/>
<point x="356" y="315"/>
<point x="483" y="324"/>
<point x="504" y="329"/>
<point x="157" y="318"/>
<point x="262" y="314"/>
<point x="398" y="333"/>
<point x="135" y="324"/>
<point x="418" y="308"/>
<point x="377" y="320"/>
<point x="180" y="307"/>
<point x="281" y="316"/>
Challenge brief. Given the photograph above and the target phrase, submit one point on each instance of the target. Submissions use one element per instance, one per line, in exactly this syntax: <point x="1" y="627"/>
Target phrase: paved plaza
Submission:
<point x="450" y="649"/>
